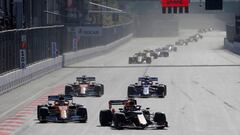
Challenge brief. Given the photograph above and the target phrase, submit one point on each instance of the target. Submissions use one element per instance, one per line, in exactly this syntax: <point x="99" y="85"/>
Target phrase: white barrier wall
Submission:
<point x="73" y="57"/>
<point x="20" y="77"/>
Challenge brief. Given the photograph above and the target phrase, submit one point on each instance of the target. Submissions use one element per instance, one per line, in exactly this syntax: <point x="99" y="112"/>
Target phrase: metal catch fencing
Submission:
<point x="23" y="47"/>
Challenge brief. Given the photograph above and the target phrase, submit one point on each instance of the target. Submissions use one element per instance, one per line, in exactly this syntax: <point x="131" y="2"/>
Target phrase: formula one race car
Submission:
<point x="140" y="58"/>
<point x="147" y="88"/>
<point x="205" y="30"/>
<point x="198" y="36"/>
<point x="152" y="53"/>
<point x="162" y="52"/>
<point x="85" y="86"/>
<point x="131" y="116"/>
<point x="181" y="42"/>
<point x="211" y="29"/>
<point x="192" y="39"/>
<point x="60" y="108"/>
<point x="170" y="48"/>
<point x="202" y="30"/>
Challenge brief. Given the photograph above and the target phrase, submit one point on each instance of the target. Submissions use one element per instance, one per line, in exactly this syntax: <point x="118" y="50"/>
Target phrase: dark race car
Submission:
<point x="147" y="87"/>
<point x="170" y="48"/>
<point x="195" y="38"/>
<point x="152" y="53"/>
<point x="140" y="58"/>
<point x="85" y="86"/>
<point x="198" y="36"/>
<point x="60" y="108"/>
<point x="192" y="39"/>
<point x="131" y="116"/>
<point x="211" y="29"/>
<point x="181" y="42"/>
<point x="161" y="52"/>
<point x="202" y="31"/>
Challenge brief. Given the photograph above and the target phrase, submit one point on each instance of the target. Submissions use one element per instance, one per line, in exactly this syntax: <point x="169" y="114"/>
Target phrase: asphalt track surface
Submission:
<point x="203" y="82"/>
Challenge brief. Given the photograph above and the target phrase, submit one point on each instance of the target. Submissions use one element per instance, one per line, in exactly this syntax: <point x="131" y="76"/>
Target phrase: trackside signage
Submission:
<point x="23" y="58"/>
<point x="175" y="3"/>
<point x="86" y="31"/>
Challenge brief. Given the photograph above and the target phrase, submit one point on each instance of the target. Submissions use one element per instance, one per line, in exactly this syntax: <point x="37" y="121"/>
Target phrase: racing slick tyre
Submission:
<point x="165" y="90"/>
<point x="69" y="90"/>
<point x="38" y="112"/>
<point x="130" y="60"/>
<point x="148" y="60"/>
<point x="98" y="89"/>
<point x="175" y="49"/>
<point x="166" y="54"/>
<point x="155" y="56"/>
<point x="102" y="87"/>
<point x="43" y="113"/>
<point x="160" y="119"/>
<point x="161" y="91"/>
<point x="118" y="120"/>
<point x="105" y="118"/>
<point x="82" y="112"/>
<point x="130" y="91"/>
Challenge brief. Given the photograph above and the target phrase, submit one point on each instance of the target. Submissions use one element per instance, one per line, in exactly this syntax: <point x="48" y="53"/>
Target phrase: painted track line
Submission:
<point x="12" y="123"/>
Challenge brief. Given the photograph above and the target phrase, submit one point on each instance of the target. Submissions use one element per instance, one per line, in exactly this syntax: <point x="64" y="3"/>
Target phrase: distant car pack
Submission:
<point x="140" y="58"/>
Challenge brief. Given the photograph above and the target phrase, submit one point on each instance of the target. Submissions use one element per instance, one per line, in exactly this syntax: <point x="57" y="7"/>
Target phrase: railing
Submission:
<point x="37" y="43"/>
<point x="48" y="42"/>
<point x="231" y="32"/>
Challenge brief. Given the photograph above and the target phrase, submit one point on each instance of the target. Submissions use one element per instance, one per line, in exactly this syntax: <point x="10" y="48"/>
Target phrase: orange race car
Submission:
<point x="85" y="86"/>
<point x="60" y="108"/>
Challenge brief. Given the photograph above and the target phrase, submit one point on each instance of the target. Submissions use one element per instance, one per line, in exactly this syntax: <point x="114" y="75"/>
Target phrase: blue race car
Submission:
<point x="147" y="87"/>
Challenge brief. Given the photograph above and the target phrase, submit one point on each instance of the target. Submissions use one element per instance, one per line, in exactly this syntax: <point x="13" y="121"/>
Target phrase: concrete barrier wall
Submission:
<point x="20" y="77"/>
<point x="232" y="46"/>
<point x="73" y="57"/>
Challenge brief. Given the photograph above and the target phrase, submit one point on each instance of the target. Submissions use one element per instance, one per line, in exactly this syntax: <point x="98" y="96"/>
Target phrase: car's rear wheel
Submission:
<point x="175" y="49"/>
<point x="98" y="90"/>
<point x="82" y="112"/>
<point x="166" y="54"/>
<point x="130" y="60"/>
<point x="161" y="91"/>
<point x="149" y="60"/>
<point x="105" y="118"/>
<point x="118" y="121"/>
<point x="69" y="90"/>
<point x="130" y="91"/>
<point x="160" y="119"/>
<point x="102" y="88"/>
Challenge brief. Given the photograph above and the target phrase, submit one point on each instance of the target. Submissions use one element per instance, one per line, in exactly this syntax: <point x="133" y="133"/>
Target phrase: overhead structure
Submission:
<point x="175" y="6"/>
<point x="214" y="4"/>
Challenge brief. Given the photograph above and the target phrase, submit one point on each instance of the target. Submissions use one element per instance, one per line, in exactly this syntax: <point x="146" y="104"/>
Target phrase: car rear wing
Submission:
<point x="148" y="78"/>
<point x="86" y="79"/>
<point x="119" y="102"/>
<point x="57" y="97"/>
